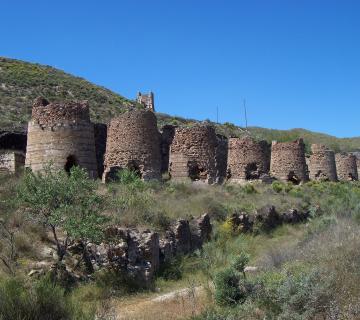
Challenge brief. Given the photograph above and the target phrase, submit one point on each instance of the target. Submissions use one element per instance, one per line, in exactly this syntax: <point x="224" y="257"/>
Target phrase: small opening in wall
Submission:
<point x="292" y="177"/>
<point x="251" y="171"/>
<point x="321" y="176"/>
<point x="351" y="177"/>
<point x="70" y="162"/>
<point x="133" y="166"/>
<point x="194" y="171"/>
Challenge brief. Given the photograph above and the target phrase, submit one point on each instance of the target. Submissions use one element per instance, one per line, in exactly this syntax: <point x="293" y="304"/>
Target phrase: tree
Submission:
<point x="65" y="203"/>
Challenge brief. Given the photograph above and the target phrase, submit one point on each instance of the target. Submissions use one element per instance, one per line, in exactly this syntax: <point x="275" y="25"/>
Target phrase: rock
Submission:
<point x="294" y="216"/>
<point x="201" y="231"/>
<point x="182" y="237"/>
<point x="267" y="218"/>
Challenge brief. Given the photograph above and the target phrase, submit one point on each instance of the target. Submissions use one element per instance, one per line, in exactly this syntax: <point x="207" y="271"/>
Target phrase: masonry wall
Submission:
<point x="193" y="153"/>
<point x="133" y="142"/>
<point x="346" y="166"/>
<point x="100" y="135"/>
<point x="288" y="161"/>
<point x="61" y="133"/>
<point x="322" y="165"/>
<point x="247" y="159"/>
<point x="11" y="161"/>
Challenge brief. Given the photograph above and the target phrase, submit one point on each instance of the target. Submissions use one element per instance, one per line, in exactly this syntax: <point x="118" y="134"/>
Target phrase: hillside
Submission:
<point x="21" y="82"/>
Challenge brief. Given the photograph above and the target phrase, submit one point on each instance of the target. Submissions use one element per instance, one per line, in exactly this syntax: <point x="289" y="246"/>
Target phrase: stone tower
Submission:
<point x="133" y="142"/>
<point x="247" y="159"/>
<point x="346" y="167"/>
<point x="61" y="133"/>
<point x="193" y="154"/>
<point x="288" y="161"/>
<point x="147" y="100"/>
<point x="322" y="164"/>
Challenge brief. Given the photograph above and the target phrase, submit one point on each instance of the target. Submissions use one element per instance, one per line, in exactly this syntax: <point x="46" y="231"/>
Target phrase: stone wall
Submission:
<point x="61" y="133"/>
<point x="346" y="167"/>
<point x="193" y="153"/>
<point x="133" y="142"/>
<point x="247" y="159"/>
<point x="167" y="136"/>
<point x="322" y="165"/>
<point x="147" y="100"/>
<point x="288" y="161"/>
<point x="11" y="161"/>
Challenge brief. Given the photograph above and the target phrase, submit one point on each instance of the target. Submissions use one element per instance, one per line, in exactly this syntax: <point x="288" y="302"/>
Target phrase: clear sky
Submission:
<point x="297" y="63"/>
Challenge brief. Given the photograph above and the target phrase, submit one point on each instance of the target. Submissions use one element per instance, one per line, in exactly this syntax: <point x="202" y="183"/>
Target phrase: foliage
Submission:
<point x="61" y="201"/>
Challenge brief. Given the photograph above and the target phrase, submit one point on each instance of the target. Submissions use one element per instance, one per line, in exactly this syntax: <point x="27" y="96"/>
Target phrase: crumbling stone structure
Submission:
<point x="167" y="136"/>
<point x="322" y="165"/>
<point x="221" y="158"/>
<point x="346" y="167"/>
<point x="147" y="100"/>
<point x="192" y="154"/>
<point x="288" y="161"/>
<point x="100" y="133"/>
<point x="247" y="159"/>
<point x="61" y="133"/>
<point x="11" y="161"/>
<point x="133" y="142"/>
<point x="13" y="140"/>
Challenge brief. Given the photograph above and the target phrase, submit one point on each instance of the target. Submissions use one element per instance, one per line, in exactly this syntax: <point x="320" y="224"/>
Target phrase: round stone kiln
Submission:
<point x="322" y="164"/>
<point x="61" y="134"/>
<point x="346" y="167"/>
<point x="133" y="142"/>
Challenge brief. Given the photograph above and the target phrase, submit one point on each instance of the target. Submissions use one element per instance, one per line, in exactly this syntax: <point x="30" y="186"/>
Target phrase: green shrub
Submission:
<point x="277" y="186"/>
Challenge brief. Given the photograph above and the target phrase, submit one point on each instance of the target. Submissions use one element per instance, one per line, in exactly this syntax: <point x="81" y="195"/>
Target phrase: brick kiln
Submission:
<point x="133" y="142"/>
<point x="288" y="161"/>
<point x="193" y="154"/>
<point x="61" y="133"/>
<point x="346" y="167"/>
<point x="322" y="164"/>
<point x="247" y="159"/>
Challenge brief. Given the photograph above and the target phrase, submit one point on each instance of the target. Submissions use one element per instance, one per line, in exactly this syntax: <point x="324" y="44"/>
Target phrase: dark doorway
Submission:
<point x="133" y="166"/>
<point x="321" y="176"/>
<point x="70" y="162"/>
<point x="292" y="177"/>
<point x="194" y="171"/>
<point x="251" y="171"/>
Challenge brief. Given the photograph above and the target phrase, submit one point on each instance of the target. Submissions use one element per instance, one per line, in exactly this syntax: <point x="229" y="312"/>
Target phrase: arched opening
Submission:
<point x="134" y="167"/>
<point x="292" y="177"/>
<point x="321" y="176"/>
<point x="252" y="171"/>
<point x="71" y="161"/>
<point x="194" y="171"/>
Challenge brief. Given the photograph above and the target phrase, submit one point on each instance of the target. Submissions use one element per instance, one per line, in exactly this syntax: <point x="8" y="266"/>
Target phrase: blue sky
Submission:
<point x="297" y="63"/>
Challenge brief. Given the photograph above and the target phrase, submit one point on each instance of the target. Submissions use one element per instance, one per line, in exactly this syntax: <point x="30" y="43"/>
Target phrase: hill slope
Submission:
<point x="21" y="82"/>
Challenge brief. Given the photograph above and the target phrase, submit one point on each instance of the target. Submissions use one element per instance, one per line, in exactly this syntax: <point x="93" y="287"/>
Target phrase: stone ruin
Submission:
<point x="346" y="167"/>
<point x="288" y="161"/>
<point x="322" y="165"/>
<point x="11" y="161"/>
<point x="221" y="158"/>
<point x="133" y="142"/>
<point x="247" y="159"/>
<point x="147" y="100"/>
<point x="193" y="154"/>
<point x="100" y="134"/>
<point x="61" y="133"/>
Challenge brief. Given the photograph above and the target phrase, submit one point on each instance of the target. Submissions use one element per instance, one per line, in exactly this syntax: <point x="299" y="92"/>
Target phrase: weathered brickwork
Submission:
<point x="167" y="136"/>
<point x="346" y="167"/>
<point x="288" y="161"/>
<point x="247" y="159"/>
<point x="11" y="161"/>
<point x="61" y="133"/>
<point x="192" y="154"/>
<point x="133" y="142"/>
<point x="322" y="165"/>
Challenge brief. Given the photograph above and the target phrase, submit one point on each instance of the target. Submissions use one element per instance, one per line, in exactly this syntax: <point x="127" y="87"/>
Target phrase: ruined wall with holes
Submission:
<point x="11" y="161"/>
<point x="193" y="153"/>
<point x="133" y="142"/>
<point x="322" y="165"/>
<point x="346" y="167"/>
<point x="247" y="159"/>
<point x="288" y="161"/>
<point x="167" y="136"/>
<point x="61" y="133"/>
